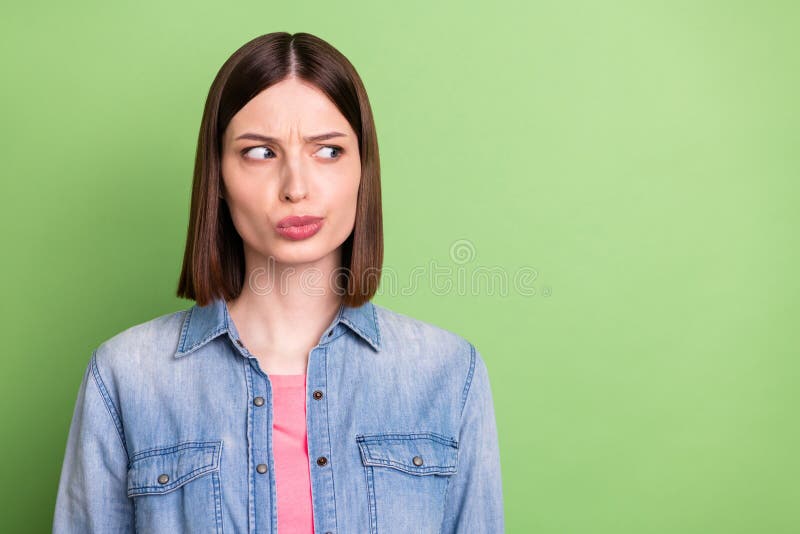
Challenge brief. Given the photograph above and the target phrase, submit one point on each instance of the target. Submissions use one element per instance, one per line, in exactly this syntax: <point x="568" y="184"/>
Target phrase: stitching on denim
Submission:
<point x="217" y="490"/>
<point x="215" y="447"/>
<point x="328" y="425"/>
<point x="373" y="512"/>
<point x="447" y="485"/>
<point x="196" y="473"/>
<point x="467" y="387"/>
<point x="248" y="370"/>
<point x="169" y="449"/>
<point x="182" y="349"/>
<point x="420" y="471"/>
<point x="217" y="501"/>
<point x="369" y="459"/>
<point x="468" y="383"/>
<point x="407" y="436"/>
<point x="377" y="326"/>
<point x="431" y="469"/>
<point x="185" y="329"/>
<point x="108" y="403"/>
<point x="360" y="331"/>
<point x="210" y="336"/>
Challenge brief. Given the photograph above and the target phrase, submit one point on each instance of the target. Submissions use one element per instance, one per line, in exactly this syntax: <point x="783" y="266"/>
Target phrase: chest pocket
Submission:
<point x="407" y="477"/>
<point x="177" y="488"/>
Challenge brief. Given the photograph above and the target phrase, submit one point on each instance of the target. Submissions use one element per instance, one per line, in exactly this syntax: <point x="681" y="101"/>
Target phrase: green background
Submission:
<point x="641" y="157"/>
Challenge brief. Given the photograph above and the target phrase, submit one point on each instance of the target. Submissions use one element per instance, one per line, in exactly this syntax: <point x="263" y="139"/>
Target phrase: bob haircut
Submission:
<point x="213" y="261"/>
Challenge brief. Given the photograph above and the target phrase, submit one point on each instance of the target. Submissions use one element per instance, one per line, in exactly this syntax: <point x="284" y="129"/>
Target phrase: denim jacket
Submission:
<point x="171" y="431"/>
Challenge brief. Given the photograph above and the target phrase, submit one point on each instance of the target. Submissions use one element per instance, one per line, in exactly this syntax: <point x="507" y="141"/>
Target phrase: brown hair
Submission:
<point x="213" y="262"/>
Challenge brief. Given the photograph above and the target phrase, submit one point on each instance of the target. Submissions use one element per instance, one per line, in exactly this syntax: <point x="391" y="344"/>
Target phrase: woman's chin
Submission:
<point x="297" y="255"/>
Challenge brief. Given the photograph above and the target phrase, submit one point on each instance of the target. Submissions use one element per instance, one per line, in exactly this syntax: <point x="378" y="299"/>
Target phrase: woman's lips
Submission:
<point x="299" y="227"/>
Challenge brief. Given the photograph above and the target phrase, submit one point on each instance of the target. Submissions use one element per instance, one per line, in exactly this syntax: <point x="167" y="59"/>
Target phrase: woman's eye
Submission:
<point x="257" y="152"/>
<point x="262" y="152"/>
<point x="333" y="148"/>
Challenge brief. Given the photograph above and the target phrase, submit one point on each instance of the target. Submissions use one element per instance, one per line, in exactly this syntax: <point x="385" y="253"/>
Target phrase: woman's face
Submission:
<point x="272" y="169"/>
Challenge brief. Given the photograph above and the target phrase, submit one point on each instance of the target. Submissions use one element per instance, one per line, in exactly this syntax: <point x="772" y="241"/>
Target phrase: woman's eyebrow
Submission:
<point x="309" y="139"/>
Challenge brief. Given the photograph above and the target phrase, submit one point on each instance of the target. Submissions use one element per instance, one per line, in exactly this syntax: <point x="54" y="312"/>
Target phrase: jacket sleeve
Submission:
<point x="92" y="495"/>
<point x="474" y="500"/>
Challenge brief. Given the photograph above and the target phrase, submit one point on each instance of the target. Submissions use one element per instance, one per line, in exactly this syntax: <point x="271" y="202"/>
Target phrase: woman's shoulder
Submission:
<point x="158" y="335"/>
<point x="393" y="323"/>
<point x="406" y="336"/>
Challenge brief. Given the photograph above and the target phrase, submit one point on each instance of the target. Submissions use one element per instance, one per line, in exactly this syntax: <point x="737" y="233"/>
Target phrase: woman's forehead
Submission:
<point x="288" y="114"/>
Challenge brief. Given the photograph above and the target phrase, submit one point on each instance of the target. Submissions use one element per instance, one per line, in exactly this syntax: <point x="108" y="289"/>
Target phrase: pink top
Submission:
<point x="290" y="447"/>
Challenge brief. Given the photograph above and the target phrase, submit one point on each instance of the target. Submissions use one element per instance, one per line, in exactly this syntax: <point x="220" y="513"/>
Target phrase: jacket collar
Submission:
<point x="204" y="323"/>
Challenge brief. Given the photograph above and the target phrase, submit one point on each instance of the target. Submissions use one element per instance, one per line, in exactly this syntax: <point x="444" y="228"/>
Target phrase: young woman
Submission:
<point x="284" y="400"/>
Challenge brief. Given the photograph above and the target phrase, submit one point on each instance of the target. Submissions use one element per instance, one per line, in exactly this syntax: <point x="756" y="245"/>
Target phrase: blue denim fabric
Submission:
<point x="169" y="434"/>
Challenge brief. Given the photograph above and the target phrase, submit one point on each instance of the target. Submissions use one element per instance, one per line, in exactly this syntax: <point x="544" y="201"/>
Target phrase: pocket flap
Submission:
<point x="164" y="469"/>
<point x="419" y="453"/>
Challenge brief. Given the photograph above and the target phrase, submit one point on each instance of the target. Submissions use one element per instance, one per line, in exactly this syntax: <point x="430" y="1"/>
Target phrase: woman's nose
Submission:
<point x="294" y="186"/>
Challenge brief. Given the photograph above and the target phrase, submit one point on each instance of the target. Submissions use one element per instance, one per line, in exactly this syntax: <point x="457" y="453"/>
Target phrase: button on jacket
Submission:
<point x="172" y="431"/>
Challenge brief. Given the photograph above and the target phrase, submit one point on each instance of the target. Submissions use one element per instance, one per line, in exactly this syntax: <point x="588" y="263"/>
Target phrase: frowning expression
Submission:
<point x="290" y="152"/>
